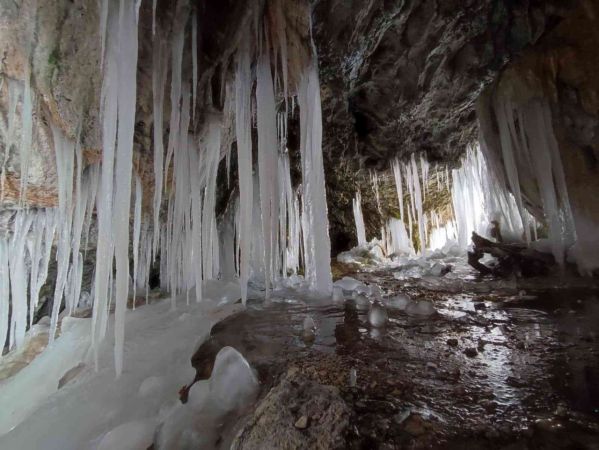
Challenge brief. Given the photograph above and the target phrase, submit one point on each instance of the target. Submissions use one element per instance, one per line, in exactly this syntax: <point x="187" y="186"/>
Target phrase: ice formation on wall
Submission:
<point x="527" y="137"/>
<point x="272" y="230"/>
<point x="478" y="202"/>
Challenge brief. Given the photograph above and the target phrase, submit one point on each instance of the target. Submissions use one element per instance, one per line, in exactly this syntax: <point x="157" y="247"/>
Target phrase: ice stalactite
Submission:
<point x="396" y="167"/>
<point x="196" y="231"/>
<point x="65" y="158"/>
<point x="527" y="137"/>
<point x="243" y="118"/>
<point x="159" y="72"/>
<point x="27" y="134"/>
<point x="289" y="225"/>
<point x="177" y="47"/>
<point x="317" y="245"/>
<point x="4" y="291"/>
<point x="359" y="219"/>
<point x="118" y="107"/>
<point x="18" y="278"/>
<point x="267" y="164"/>
<point x="211" y="157"/>
<point x="136" y="233"/>
<point x="194" y="59"/>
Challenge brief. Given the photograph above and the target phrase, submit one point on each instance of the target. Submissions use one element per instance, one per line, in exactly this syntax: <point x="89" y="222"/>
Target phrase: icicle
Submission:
<point x="159" y="66"/>
<point x="65" y="153"/>
<point x="243" y="90"/>
<point x="359" y="219"/>
<point x="136" y="233"/>
<point x="212" y="143"/>
<point x="267" y="163"/>
<point x="18" y="278"/>
<point x="4" y="290"/>
<point x="194" y="59"/>
<point x="77" y="228"/>
<point x="196" y="213"/>
<point x="127" y="64"/>
<point x="316" y="232"/>
<point x="118" y="106"/>
<point x="176" y="66"/>
<point x="398" y="185"/>
<point x="27" y="135"/>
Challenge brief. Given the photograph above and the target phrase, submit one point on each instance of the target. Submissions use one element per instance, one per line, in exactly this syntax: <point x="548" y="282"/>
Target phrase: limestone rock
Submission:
<point x="296" y="414"/>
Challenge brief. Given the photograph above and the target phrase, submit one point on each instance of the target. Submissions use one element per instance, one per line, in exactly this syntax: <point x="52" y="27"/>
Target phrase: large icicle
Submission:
<point x="127" y="64"/>
<point x="65" y="155"/>
<point x="159" y="70"/>
<point x="243" y="118"/>
<point x="194" y="60"/>
<point x="267" y="163"/>
<point x="317" y="244"/>
<point x="136" y="233"/>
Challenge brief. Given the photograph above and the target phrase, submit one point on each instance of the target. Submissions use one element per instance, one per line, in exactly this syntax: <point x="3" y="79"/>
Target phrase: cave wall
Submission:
<point x="401" y="77"/>
<point x="397" y="77"/>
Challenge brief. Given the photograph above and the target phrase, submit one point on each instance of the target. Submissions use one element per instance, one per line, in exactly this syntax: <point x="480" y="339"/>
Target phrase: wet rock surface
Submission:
<point x="519" y="373"/>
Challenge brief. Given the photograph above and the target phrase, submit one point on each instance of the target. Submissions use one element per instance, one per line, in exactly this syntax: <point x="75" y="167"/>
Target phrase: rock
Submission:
<point x="471" y="352"/>
<point x="322" y="423"/>
<point x="415" y="425"/>
<point x="302" y="423"/>
<point x="452" y="342"/>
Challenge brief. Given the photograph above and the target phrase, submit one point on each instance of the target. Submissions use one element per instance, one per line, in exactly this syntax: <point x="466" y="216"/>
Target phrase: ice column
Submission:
<point x="243" y="118"/>
<point x="317" y="244"/>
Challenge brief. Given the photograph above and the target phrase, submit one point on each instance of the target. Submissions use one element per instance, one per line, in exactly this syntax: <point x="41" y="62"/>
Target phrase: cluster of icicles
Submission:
<point x="270" y="230"/>
<point x="477" y="200"/>
<point x="397" y="235"/>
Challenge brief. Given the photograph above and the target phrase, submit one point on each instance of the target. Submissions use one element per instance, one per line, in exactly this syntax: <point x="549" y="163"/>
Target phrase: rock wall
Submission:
<point x="399" y="77"/>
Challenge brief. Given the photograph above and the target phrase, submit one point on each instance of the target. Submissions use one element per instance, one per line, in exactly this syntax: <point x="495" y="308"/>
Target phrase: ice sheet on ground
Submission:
<point x="79" y="415"/>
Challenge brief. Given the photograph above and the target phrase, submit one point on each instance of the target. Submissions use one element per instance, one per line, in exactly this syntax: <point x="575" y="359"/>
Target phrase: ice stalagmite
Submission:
<point x="359" y="219"/>
<point x="267" y="163"/>
<point x="243" y="117"/>
<point x="317" y="244"/>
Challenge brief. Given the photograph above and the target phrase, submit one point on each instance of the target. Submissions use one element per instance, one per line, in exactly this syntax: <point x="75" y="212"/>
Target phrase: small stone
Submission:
<point x="470" y="352"/>
<point x="415" y="425"/>
<point x="302" y="423"/>
<point x="452" y="342"/>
